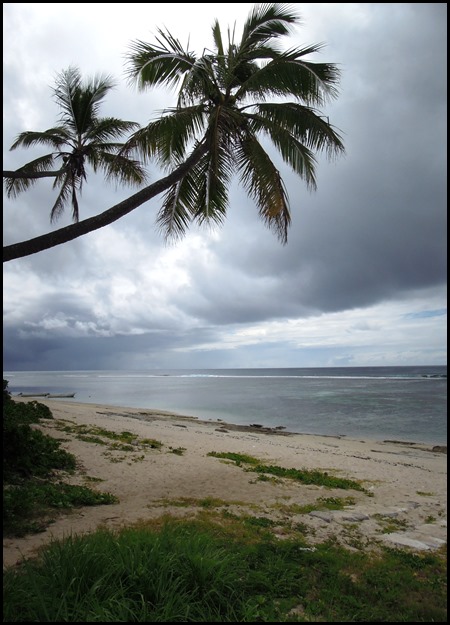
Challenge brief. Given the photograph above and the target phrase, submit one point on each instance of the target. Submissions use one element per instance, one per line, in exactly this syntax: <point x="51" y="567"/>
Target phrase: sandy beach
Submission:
<point x="404" y="503"/>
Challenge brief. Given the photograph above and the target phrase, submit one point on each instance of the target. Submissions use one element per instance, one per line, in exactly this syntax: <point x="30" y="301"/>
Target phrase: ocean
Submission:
<point x="383" y="403"/>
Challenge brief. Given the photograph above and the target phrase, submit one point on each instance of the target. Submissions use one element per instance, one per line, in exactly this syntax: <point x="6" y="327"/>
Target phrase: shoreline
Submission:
<point x="148" y="415"/>
<point x="281" y="430"/>
<point x="404" y="503"/>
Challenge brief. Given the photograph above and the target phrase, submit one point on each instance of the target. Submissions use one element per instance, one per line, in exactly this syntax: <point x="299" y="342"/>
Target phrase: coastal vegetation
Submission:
<point x="231" y="99"/>
<point x="34" y="467"/>
<point x="200" y="571"/>
<point x="226" y="562"/>
<point x="123" y="441"/>
<point x="320" y="478"/>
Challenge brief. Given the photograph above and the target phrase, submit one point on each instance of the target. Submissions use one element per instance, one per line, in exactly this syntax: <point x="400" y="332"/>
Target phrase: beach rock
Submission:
<point x="404" y="540"/>
<point x="349" y="515"/>
<point x="415" y="540"/>
<point x="392" y="513"/>
<point x="344" y="516"/>
<point x="429" y="529"/>
<point x="320" y="514"/>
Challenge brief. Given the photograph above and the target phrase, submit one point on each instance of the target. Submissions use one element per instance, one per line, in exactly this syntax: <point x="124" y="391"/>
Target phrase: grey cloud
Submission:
<point x="148" y="350"/>
<point x="373" y="232"/>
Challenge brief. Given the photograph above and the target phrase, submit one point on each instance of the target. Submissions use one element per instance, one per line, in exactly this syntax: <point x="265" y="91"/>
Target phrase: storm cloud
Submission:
<point x="362" y="279"/>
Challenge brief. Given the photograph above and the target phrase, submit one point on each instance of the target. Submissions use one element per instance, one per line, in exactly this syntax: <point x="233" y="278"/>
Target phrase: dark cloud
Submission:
<point x="373" y="234"/>
<point x="48" y="353"/>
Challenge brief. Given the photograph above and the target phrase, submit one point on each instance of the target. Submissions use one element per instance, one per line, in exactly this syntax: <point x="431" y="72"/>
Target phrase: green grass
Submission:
<point x="305" y="476"/>
<point x="200" y="571"/>
<point x="390" y="524"/>
<point x="123" y="441"/>
<point x="322" y="503"/>
<point x="178" y="451"/>
<point x="30" y="506"/>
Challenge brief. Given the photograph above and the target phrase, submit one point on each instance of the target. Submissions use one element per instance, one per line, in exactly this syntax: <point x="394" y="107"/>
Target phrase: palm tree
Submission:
<point x="82" y="138"/>
<point x="229" y="100"/>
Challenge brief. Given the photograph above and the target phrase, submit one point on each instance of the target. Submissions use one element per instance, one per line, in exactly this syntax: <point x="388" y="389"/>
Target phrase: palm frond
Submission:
<point x="14" y="186"/>
<point x="66" y="184"/>
<point x="213" y="173"/>
<point x="80" y="102"/>
<point x="175" y="215"/>
<point x="263" y="183"/>
<point x="267" y="22"/>
<point x="87" y="100"/>
<point x="201" y="196"/>
<point x="108" y="128"/>
<point x="119" y="168"/>
<point x="54" y="137"/>
<point x="94" y="90"/>
<point x="69" y="182"/>
<point x="168" y="137"/>
<point x="66" y="83"/>
<point x="151" y="65"/>
<point x="201" y="83"/>
<point x="289" y="74"/>
<point x="217" y="37"/>
<point x="295" y="154"/>
<point x="306" y="124"/>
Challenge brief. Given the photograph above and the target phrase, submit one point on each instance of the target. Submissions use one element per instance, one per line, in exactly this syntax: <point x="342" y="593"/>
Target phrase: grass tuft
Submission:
<point x="305" y="476"/>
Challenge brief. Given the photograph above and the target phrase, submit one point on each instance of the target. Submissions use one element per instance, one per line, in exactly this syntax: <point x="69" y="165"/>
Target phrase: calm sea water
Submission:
<point x="397" y="403"/>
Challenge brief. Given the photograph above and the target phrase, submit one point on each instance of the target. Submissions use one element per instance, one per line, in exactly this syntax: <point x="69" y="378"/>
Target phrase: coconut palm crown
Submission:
<point x="82" y="138"/>
<point x="229" y="100"/>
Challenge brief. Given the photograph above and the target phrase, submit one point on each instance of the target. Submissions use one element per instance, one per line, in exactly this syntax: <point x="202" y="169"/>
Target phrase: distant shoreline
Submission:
<point x="404" y="403"/>
<point x="149" y="414"/>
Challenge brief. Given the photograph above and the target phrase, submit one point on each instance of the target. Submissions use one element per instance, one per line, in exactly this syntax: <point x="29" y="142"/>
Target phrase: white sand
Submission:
<point x="408" y="482"/>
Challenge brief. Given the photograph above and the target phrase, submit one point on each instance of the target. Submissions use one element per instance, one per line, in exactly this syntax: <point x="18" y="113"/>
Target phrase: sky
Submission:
<point x="362" y="280"/>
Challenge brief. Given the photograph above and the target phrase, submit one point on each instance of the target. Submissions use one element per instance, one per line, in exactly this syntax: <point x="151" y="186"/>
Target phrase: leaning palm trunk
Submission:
<point x="229" y="99"/>
<point x="63" y="235"/>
